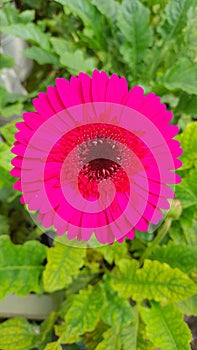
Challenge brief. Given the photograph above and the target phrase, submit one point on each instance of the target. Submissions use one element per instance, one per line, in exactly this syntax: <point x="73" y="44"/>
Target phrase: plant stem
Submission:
<point x="161" y="234"/>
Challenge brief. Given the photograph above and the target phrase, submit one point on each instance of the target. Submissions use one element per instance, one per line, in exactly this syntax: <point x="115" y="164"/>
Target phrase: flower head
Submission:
<point x="95" y="157"/>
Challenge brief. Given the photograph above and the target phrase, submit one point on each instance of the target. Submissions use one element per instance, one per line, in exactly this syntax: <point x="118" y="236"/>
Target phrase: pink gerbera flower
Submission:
<point x="96" y="158"/>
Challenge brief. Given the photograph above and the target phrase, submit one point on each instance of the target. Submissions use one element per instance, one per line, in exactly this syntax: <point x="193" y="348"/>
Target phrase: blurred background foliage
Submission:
<point x="139" y="294"/>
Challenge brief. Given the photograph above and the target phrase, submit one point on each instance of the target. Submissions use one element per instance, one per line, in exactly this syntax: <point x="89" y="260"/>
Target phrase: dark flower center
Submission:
<point x="101" y="158"/>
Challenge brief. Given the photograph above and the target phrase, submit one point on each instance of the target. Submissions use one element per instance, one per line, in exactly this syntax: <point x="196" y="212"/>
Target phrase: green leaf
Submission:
<point x="134" y="337"/>
<point x="126" y="336"/>
<point x="41" y="55"/>
<point x="190" y="230"/>
<point x="4" y="225"/>
<point x="77" y="62"/>
<point x="6" y="61"/>
<point x="14" y="109"/>
<point x="83" y="8"/>
<point x="9" y="15"/>
<point x="8" y="131"/>
<point x="18" y="334"/>
<point x="20" y="267"/>
<point x="74" y="60"/>
<point x="190" y="44"/>
<point x="60" y="46"/>
<point x="111" y="340"/>
<point x="6" y="156"/>
<point x="46" y="330"/>
<point x="53" y="346"/>
<point x="92" y="339"/>
<point x="188" y="141"/>
<point x="6" y="180"/>
<point x="114" y="253"/>
<point x="108" y="8"/>
<point x="187" y="104"/>
<point x="154" y="281"/>
<point x="116" y="310"/>
<point x="30" y="32"/>
<point x="186" y="191"/>
<point x="184" y="230"/>
<point x="63" y="264"/>
<point x="165" y="327"/>
<point x="188" y="307"/>
<point x="183" y="76"/>
<point x="143" y="343"/>
<point x="83" y="314"/>
<point x="181" y="256"/>
<point x="176" y="16"/>
<point x="3" y="95"/>
<point x="137" y="35"/>
<point x="124" y="320"/>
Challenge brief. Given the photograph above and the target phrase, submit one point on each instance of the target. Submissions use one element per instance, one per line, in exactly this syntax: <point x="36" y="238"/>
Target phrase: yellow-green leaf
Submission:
<point x="176" y="255"/>
<point x="20" y="267"/>
<point x="53" y="346"/>
<point x="63" y="264"/>
<point x="83" y="314"/>
<point x="165" y="327"/>
<point x="188" y="307"/>
<point x="111" y="340"/>
<point x="18" y="334"/>
<point x="46" y="330"/>
<point x="155" y="281"/>
<point x="114" y="253"/>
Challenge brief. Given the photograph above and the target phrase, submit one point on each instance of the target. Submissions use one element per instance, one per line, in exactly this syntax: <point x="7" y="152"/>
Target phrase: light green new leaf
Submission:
<point x="76" y="62"/>
<point x="63" y="264"/>
<point x="137" y="35"/>
<point x="183" y="76"/>
<point x="154" y="281"/>
<point x="30" y="32"/>
<point x="188" y="307"/>
<point x="83" y="314"/>
<point x="20" y="267"/>
<point x="18" y="334"/>
<point x="41" y="55"/>
<point x="181" y="256"/>
<point x="165" y="327"/>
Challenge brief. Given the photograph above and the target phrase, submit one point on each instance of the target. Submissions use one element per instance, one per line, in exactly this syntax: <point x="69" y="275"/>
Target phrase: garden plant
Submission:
<point x="134" y="294"/>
